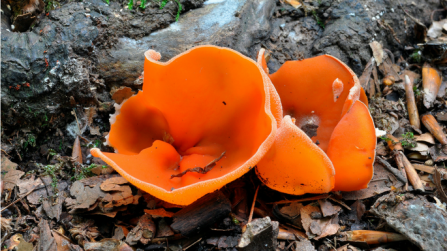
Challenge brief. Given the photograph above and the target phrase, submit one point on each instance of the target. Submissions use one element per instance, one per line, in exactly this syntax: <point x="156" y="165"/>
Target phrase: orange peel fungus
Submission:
<point x="207" y="108"/>
<point x="326" y="140"/>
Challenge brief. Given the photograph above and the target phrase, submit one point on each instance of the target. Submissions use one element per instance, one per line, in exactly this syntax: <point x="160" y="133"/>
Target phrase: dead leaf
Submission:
<point x="46" y="241"/>
<point x="143" y="232"/>
<point x="163" y="229"/>
<point x="122" y="93"/>
<point x="85" y="197"/>
<point x="318" y="228"/>
<point x="327" y="208"/>
<point x="5" y="224"/>
<point x="113" y="184"/>
<point x="84" y="231"/>
<point x="160" y="212"/>
<point x="11" y="178"/>
<point x="120" y="232"/>
<point x="426" y="137"/>
<point x="8" y="165"/>
<point x="94" y="130"/>
<point x="77" y="151"/>
<point x="436" y="28"/>
<point x="107" y="244"/>
<point x="377" y="50"/>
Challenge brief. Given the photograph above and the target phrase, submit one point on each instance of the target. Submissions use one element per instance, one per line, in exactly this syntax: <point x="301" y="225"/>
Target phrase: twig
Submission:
<point x="14" y="202"/>
<point x="318" y="197"/>
<point x="194" y="243"/>
<point x="392" y="170"/>
<point x="253" y="206"/>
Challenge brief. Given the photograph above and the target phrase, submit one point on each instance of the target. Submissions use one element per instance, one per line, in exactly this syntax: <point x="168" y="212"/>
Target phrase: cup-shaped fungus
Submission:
<point x="326" y="141"/>
<point x="202" y="120"/>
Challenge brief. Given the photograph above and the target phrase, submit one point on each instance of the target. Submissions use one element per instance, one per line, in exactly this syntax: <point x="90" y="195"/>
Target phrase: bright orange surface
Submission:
<point x="210" y="100"/>
<point x="305" y="89"/>
<point x="294" y="164"/>
<point x="326" y="92"/>
<point x="352" y="149"/>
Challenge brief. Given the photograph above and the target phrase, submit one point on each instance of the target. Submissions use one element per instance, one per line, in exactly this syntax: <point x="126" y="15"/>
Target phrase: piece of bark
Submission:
<point x="430" y="170"/>
<point x="413" y="113"/>
<point x="431" y="81"/>
<point x="201" y="214"/>
<point x="437" y="181"/>
<point x="435" y="129"/>
<point x="260" y="234"/>
<point x="412" y="175"/>
<point x="371" y="237"/>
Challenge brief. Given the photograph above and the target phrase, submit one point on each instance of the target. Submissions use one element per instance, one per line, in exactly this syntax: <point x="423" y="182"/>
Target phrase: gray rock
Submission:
<point x="260" y="234"/>
<point x="422" y="222"/>
<point x="238" y="24"/>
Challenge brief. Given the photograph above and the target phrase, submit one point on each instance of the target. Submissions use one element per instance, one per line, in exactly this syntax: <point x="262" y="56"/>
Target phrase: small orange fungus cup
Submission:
<point x="323" y="97"/>
<point x="205" y="103"/>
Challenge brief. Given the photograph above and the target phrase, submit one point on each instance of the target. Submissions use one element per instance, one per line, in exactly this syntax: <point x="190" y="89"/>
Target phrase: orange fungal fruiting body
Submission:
<point x="330" y="111"/>
<point x="204" y="102"/>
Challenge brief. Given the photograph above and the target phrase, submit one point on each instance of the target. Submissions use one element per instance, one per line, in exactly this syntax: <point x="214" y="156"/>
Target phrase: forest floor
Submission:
<point x="66" y="63"/>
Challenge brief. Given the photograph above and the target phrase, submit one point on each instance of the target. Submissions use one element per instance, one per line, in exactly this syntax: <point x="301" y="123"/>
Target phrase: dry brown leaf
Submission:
<point x="113" y="184"/>
<point x="426" y="137"/>
<point x="7" y="165"/>
<point x="159" y="212"/>
<point x="122" y="93"/>
<point x="143" y="232"/>
<point x="163" y="229"/>
<point x="94" y="130"/>
<point x="120" y="232"/>
<point x="76" y="154"/>
<point x="318" y="228"/>
<point x="11" y="178"/>
<point x="436" y="29"/>
<point x="328" y="209"/>
<point x="46" y="240"/>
